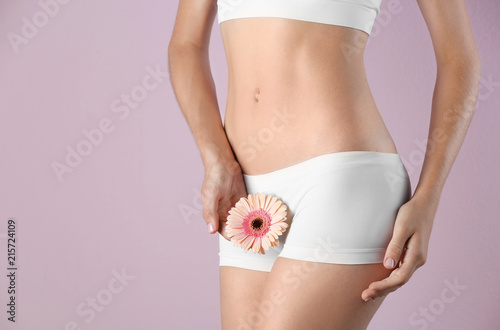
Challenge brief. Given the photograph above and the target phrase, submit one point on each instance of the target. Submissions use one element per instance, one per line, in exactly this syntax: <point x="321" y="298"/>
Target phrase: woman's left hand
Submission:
<point x="407" y="250"/>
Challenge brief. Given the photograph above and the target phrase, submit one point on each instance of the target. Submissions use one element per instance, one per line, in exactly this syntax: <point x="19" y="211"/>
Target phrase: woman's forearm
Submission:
<point x="453" y="105"/>
<point x="195" y="92"/>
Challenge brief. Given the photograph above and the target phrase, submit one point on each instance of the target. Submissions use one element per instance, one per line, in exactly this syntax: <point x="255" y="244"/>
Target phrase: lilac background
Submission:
<point x="119" y="209"/>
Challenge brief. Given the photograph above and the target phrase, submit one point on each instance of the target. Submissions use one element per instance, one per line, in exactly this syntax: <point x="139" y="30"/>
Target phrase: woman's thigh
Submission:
<point x="298" y="295"/>
<point x="310" y="295"/>
<point x="342" y="210"/>
<point x="240" y="294"/>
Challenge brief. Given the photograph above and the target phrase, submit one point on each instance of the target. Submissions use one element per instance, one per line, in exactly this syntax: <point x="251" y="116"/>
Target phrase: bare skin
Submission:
<point x="294" y="93"/>
<point x="321" y="89"/>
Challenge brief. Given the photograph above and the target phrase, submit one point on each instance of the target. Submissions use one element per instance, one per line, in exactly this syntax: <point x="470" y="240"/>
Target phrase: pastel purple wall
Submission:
<point x="104" y="245"/>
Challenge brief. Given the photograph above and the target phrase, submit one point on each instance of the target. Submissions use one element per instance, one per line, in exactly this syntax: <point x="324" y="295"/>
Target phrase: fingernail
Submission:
<point x="389" y="262"/>
<point x="368" y="299"/>
<point x="211" y="227"/>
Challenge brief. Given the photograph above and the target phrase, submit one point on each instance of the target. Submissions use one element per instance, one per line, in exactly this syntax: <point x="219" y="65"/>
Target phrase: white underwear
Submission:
<point x="341" y="209"/>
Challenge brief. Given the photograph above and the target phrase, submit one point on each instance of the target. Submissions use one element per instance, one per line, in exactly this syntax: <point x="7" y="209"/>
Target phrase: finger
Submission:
<point x="225" y="206"/>
<point x="396" y="279"/>
<point x="222" y="230"/>
<point x="394" y="251"/>
<point x="210" y="202"/>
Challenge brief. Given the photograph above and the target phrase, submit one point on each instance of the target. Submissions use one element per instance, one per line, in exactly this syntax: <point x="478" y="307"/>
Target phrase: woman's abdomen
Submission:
<point x="291" y="97"/>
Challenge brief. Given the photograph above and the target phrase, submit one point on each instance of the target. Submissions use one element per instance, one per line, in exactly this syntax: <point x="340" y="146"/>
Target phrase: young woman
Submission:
<point x="301" y="124"/>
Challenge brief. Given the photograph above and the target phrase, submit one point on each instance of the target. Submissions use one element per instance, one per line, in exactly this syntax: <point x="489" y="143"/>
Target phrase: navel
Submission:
<point x="257" y="95"/>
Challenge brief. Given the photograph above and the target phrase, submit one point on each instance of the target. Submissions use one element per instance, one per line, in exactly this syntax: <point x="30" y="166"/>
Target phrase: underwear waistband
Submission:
<point x="326" y="162"/>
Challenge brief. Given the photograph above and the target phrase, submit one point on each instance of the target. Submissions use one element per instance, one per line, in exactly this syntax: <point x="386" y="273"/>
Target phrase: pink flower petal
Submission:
<point x="273" y="233"/>
<point x="247" y="243"/>
<point x="262" y="200"/>
<point x="278" y="218"/>
<point x="244" y="204"/>
<point x="273" y="201"/>
<point x="266" y="243"/>
<point x="267" y="200"/>
<point x="278" y="227"/>
<point x="240" y="222"/>
<point x="256" y="245"/>
<point x="274" y="208"/>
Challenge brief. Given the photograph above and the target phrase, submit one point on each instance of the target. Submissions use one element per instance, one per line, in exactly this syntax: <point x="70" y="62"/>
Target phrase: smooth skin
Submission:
<point x="304" y="70"/>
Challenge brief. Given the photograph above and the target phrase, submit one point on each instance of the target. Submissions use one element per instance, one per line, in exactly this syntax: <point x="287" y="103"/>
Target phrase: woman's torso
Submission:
<point x="297" y="90"/>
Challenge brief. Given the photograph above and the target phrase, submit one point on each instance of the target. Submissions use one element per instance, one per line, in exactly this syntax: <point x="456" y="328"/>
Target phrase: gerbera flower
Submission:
<point x="256" y="222"/>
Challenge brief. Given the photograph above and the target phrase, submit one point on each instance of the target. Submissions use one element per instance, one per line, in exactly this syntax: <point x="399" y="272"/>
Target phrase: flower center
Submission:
<point x="257" y="224"/>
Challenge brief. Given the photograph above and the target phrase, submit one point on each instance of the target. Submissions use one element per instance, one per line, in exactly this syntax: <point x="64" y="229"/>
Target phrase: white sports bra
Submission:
<point x="357" y="14"/>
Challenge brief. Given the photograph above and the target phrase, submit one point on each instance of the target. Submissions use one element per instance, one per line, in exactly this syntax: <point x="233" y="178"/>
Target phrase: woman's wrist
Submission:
<point x="219" y="154"/>
<point x="214" y="145"/>
<point x="427" y="196"/>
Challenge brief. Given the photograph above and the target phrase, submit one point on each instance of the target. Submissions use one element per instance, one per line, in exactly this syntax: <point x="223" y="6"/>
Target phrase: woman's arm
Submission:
<point x="455" y="93"/>
<point x="195" y="91"/>
<point x="453" y="104"/>
<point x="192" y="79"/>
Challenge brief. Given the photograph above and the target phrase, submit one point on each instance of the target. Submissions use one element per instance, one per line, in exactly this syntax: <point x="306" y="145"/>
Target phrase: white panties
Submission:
<point x="341" y="209"/>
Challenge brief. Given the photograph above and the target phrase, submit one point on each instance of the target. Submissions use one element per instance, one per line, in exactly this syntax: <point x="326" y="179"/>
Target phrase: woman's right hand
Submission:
<point x="222" y="187"/>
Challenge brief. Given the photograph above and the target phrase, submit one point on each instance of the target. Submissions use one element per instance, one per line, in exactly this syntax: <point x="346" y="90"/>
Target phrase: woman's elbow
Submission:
<point x="173" y="49"/>
<point x="465" y="66"/>
<point x="473" y="69"/>
<point x="472" y="62"/>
